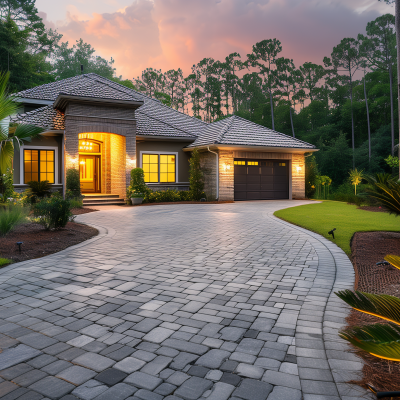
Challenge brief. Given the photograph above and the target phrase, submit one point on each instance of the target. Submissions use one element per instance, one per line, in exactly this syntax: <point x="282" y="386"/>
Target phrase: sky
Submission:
<point x="172" y="34"/>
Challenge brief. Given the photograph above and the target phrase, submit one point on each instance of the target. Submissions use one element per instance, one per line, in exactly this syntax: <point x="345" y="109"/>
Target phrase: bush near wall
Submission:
<point x="73" y="183"/>
<point x="168" y="195"/>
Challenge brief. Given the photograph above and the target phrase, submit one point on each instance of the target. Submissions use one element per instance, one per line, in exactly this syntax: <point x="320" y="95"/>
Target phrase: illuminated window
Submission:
<point x="239" y="162"/>
<point x="39" y="165"/>
<point x="167" y="168"/>
<point x="159" y="168"/>
<point x="252" y="162"/>
<point x="89" y="146"/>
<point x="282" y="164"/>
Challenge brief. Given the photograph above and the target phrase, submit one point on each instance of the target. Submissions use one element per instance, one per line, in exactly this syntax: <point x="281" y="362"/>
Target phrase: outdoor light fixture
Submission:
<point x="382" y="395"/>
<point x="19" y="246"/>
<point x="382" y="263"/>
<point x="82" y="162"/>
<point x="332" y="233"/>
<point x="298" y="168"/>
<point x="226" y="167"/>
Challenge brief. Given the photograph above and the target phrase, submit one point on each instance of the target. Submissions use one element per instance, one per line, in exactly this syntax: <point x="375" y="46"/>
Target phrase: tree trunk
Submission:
<point x="369" y="127"/>
<point x="291" y="121"/>
<point x="391" y="106"/>
<point x="397" y="23"/>
<point x="272" y="109"/>
<point x="352" y="117"/>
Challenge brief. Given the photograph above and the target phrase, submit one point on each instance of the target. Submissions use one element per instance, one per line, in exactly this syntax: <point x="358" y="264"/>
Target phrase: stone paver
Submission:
<point x="180" y="302"/>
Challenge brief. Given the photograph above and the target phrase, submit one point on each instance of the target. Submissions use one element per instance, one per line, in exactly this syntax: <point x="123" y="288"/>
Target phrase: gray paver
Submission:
<point x="251" y="389"/>
<point x="52" y="387"/>
<point x="94" y="361"/>
<point x="129" y="364"/>
<point x="193" y="388"/>
<point x="144" y="381"/>
<point x="16" y="355"/>
<point x="89" y="390"/>
<point x="213" y="359"/>
<point x="76" y="375"/>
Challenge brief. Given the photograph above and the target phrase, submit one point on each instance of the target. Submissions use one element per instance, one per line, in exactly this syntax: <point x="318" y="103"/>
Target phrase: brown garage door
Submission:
<point x="261" y="179"/>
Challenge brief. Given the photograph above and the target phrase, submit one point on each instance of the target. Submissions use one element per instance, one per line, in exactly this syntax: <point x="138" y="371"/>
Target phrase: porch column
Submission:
<point x="130" y="157"/>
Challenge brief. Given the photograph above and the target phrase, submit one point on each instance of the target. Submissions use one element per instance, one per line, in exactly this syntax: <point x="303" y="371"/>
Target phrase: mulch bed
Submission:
<point x="368" y="248"/>
<point x="79" y="211"/>
<point x="39" y="243"/>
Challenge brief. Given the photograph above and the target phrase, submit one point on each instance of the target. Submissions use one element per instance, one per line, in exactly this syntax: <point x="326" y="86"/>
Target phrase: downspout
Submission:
<point x="217" y="170"/>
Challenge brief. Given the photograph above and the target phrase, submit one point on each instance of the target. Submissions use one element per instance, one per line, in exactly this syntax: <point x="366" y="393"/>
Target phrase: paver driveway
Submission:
<point x="180" y="302"/>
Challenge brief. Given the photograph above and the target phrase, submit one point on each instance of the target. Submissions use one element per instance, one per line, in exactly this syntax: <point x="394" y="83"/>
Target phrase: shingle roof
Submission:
<point x="239" y="131"/>
<point x="153" y="118"/>
<point x="44" y="117"/>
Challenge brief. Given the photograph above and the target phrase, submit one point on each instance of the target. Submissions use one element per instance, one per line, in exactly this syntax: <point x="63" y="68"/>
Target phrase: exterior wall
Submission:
<point x="208" y="165"/>
<point x="298" y="177"/>
<point x="226" y="175"/>
<point x="81" y="118"/>
<point x="40" y="141"/>
<point x="168" y="147"/>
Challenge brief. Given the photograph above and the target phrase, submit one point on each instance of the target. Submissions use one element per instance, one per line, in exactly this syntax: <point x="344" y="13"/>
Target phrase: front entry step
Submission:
<point x="103" y="200"/>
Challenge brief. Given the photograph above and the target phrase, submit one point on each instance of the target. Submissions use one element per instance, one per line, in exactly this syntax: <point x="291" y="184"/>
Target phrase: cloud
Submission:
<point x="175" y="34"/>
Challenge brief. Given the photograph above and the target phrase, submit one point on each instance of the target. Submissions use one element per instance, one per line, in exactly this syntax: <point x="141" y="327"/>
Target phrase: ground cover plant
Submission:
<point x="346" y="218"/>
<point x="10" y="217"/>
<point x="4" y="261"/>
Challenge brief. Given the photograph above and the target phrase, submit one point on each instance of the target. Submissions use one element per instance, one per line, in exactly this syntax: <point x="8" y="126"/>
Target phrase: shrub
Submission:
<point x="6" y="185"/>
<point x="311" y="176"/>
<point x="185" y="195"/>
<point x="53" y="213"/>
<point x="137" y="187"/>
<point x="38" y="190"/>
<point x="4" y="261"/>
<point x="162" y="196"/>
<point x="76" y="203"/>
<point x="196" y="176"/>
<point x="10" y="217"/>
<point x="73" y="183"/>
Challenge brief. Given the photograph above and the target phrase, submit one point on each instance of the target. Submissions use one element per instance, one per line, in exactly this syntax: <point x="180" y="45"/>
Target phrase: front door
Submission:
<point x="89" y="168"/>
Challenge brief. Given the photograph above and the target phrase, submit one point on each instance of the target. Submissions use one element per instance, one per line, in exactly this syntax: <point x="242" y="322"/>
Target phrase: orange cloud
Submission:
<point x="167" y="34"/>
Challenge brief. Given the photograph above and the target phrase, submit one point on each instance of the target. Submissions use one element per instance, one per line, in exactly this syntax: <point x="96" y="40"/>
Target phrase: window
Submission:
<point x="89" y="146"/>
<point x="282" y="164"/>
<point x="252" y="162"/>
<point x="159" y="168"/>
<point x="239" y="162"/>
<point x="39" y="165"/>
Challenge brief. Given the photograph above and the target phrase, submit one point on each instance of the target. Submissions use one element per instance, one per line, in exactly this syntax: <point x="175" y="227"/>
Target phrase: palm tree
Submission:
<point x="11" y="139"/>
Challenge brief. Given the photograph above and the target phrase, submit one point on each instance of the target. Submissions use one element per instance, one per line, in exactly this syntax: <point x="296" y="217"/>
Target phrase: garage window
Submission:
<point x="252" y="162"/>
<point x="239" y="162"/>
<point x="282" y="164"/>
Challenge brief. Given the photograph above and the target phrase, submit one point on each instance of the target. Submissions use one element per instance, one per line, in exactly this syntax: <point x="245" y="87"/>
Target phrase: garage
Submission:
<point x="261" y="179"/>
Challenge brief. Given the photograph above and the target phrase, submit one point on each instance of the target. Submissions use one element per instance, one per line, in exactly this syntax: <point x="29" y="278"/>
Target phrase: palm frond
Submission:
<point x="382" y="341"/>
<point x="388" y="195"/>
<point x="394" y="260"/>
<point x="380" y="305"/>
<point x="24" y="132"/>
<point x="6" y="155"/>
<point x="7" y="104"/>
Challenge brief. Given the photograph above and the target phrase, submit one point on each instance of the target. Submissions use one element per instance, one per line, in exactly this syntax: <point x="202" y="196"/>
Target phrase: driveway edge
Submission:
<point x="335" y="272"/>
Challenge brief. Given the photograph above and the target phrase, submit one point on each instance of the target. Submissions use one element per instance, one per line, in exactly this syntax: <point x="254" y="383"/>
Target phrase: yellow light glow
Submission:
<point x="82" y="162"/>
<point x="298" y="169"/>
<point x="226" y="167"/>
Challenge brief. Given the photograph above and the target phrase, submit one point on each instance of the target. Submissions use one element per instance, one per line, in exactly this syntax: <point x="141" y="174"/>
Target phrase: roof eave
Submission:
<point x="254" y="148"/>
<point x="161" y="137"/>
<point x="26" y="100"/>
<point x="63" y="99"/>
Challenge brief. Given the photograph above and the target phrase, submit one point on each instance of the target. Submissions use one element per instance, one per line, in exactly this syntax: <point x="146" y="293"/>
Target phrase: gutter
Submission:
<point x="217" y="170"/>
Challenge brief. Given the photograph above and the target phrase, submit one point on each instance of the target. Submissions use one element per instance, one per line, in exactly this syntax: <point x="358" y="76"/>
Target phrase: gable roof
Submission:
<point x="153" y="117"/>
<point x="241" y="132"/>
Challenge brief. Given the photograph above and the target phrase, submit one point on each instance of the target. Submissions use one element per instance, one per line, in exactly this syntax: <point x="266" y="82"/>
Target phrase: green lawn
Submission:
<point x="346" y="218"/>
<point x="4" y="261"/>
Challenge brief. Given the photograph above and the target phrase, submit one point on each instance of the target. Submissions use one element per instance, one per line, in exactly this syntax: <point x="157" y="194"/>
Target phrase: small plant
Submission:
<point x="73" y="183"/>
<point x="38" y="190"/>
<point x="322" y="183"/>
<point x="4" y="261"/>
<point x="392" y="161"/>
<point x="388" y="195"/>
<point x="137" y="187"/>
<point x="6" y="185"/>
<point x="10" y="217"/>
<point x="196" y="176"/>
<point x="53" y="213"/>
<point x="379" y="340"/>
<point x="76" y="203"/>
<point x="311" y="176"/>
<point x="356" y="178"/>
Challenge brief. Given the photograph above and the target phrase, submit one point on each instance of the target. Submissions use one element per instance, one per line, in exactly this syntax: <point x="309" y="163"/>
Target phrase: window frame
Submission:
<point x="160" y="153"/>
<point x="22" y="164"/>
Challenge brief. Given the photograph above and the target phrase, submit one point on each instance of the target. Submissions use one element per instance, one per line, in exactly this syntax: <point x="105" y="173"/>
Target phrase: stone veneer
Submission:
<point x="119" y="146"/>
<point x="226" y="171"/>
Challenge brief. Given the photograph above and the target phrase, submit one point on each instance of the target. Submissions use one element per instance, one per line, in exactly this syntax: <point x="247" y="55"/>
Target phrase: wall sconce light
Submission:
<point x="74" y="160"/>
<point x="132" y="162"/>
<point x="298" y="168"/>
<point x="226" y="167"/>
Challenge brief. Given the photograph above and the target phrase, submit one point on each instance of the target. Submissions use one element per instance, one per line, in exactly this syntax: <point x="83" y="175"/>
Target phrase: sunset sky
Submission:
<point x="170" y="34"/>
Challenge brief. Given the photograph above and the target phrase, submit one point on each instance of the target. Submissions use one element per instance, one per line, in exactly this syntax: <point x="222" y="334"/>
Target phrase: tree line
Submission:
<point x="344" y="105"/>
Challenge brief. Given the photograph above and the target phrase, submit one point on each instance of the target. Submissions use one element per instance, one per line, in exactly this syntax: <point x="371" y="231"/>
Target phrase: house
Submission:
<point x="105" y="129"/>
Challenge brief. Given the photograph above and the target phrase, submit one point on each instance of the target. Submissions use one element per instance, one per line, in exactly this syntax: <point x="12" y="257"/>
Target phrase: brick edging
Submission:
<point x="335" y="272"/>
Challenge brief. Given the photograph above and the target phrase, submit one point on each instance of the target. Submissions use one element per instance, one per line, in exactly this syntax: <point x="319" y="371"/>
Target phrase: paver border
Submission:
<point x="335" y="272"/>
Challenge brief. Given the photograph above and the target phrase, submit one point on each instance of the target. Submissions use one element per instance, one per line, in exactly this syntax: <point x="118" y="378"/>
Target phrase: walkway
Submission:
<point x="180" y="302"/>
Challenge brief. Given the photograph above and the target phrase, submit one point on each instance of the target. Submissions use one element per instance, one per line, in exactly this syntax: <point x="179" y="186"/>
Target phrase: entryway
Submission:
<point x="90" y="152"/>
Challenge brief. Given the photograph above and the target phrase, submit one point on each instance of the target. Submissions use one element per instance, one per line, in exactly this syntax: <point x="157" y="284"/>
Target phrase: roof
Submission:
<point x="241" y="132"/>
<point x="153" y="117"/>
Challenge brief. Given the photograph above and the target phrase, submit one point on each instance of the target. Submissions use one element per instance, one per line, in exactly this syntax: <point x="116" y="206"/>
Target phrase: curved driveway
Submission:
<point x="180" y="302"/>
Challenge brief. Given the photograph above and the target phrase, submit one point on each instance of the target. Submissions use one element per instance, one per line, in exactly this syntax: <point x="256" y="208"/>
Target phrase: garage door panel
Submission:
<point x="266" y="181"/>
<point x="253" y="196"/>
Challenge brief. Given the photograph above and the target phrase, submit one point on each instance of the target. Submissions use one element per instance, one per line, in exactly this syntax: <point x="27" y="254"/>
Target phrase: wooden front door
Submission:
<point x="90" y="173"/>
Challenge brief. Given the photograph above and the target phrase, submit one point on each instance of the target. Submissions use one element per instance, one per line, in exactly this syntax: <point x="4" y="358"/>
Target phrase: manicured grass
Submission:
<point x="4" y="261"/>
<point x="346" y="218"/>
